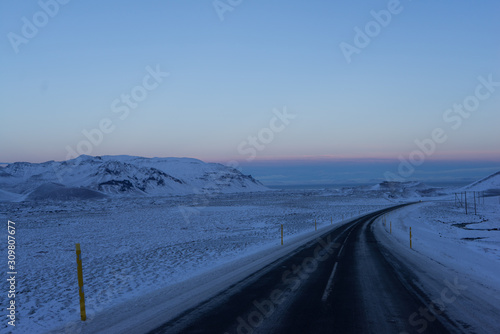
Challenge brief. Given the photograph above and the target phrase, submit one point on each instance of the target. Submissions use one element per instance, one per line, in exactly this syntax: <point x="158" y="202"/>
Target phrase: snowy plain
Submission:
<point x="135" y="246"/>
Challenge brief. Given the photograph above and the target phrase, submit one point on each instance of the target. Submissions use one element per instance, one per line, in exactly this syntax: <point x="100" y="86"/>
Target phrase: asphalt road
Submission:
<point x="340" y="283"/>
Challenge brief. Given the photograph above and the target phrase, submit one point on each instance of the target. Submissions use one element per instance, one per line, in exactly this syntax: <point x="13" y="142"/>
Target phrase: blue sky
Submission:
<point x="228" y="79"/>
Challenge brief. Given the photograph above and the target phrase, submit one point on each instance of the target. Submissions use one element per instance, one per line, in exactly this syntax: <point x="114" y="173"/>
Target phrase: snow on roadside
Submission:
<point x="450" y="246"/>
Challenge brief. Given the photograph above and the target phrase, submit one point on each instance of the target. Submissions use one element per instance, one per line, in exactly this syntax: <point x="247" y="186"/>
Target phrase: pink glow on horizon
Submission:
<point x="447" y="156"/>
<point x="468" y="156"/>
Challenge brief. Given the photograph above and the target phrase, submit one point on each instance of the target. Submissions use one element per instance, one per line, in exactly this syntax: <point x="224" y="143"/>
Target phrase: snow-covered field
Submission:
<point x="133" y="246"/>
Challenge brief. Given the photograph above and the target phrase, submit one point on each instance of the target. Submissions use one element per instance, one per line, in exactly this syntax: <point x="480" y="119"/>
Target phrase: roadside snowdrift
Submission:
<point x="450" y="246"/>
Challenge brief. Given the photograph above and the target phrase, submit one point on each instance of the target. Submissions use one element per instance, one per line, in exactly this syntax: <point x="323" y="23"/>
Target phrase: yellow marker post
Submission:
<point x="410" y="238"/>
<point x="80" y="282"/>
<point x="390" y="228"/>
<point x="281" y="234"/>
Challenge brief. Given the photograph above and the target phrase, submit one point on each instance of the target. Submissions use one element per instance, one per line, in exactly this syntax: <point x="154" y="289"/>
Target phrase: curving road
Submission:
<point x="342" y="282"/>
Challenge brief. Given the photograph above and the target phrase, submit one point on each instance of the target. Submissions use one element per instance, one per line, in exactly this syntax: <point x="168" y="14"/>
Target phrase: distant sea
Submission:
<point x="352" y="185"/>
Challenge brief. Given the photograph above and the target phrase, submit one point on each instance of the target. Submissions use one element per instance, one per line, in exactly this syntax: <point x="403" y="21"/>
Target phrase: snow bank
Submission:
<point x="450" y="247"/>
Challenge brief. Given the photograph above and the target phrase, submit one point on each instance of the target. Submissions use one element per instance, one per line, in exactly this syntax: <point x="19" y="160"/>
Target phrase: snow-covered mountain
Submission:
<point x="400" y="190"/>
<point x="416" y="189"/>
<point x="408" y="189"/>
<point x="490" y="183"/>
<point x="91" y="177"/>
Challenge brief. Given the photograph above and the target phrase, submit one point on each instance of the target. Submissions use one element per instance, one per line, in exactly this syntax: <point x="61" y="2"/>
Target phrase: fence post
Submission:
<point x="465" y="202"/>
<point x="80" y="282"/>
<point x="281" y="234"/>
<point x="475" y="210"/>
<point x="410" y="238"/>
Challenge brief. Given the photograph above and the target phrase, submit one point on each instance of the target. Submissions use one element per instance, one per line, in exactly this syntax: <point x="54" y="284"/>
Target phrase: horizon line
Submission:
<point x="294" y="159"/>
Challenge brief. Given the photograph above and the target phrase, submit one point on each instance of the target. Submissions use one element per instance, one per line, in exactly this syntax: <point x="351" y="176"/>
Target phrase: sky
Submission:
<point x="288" y="91"/>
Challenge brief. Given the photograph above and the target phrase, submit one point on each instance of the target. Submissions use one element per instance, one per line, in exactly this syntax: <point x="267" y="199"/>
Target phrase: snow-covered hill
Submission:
<point x="394" y="190"/>
<point x="408" y="189"/>
<point x="90" y="177"/>
<point x="490" y="183"/>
